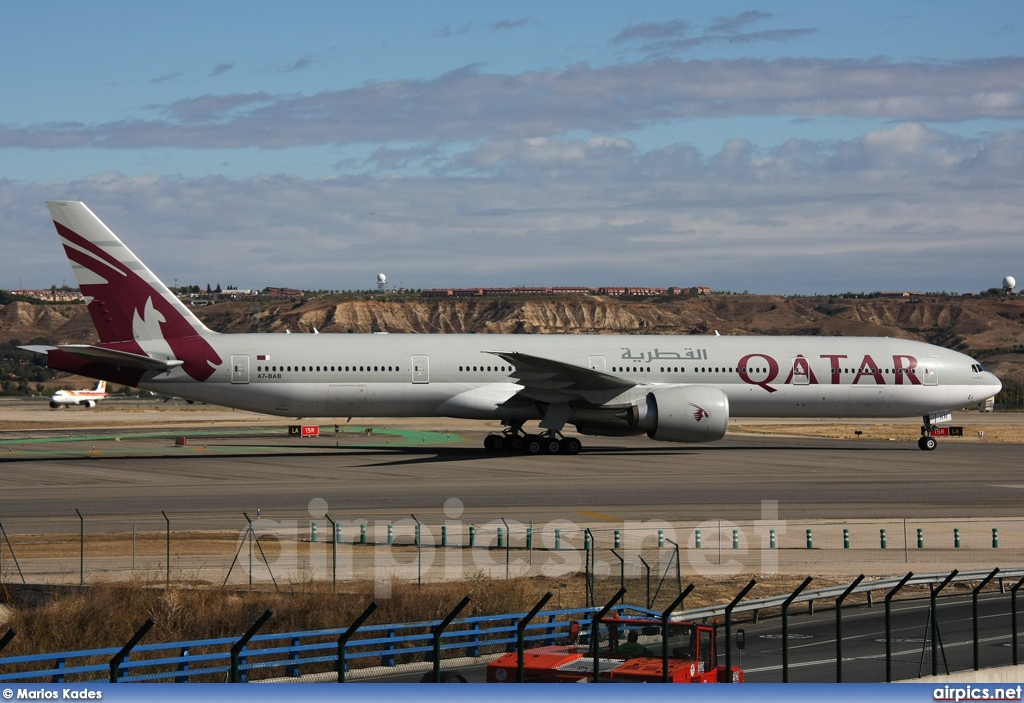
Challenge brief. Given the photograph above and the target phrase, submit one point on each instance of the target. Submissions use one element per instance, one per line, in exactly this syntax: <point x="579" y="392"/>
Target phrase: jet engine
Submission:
<point x="54" y="404"/>
<point x="670" y="414"/>
<point x="90" y="403"/>
<point x="684" y="414"/>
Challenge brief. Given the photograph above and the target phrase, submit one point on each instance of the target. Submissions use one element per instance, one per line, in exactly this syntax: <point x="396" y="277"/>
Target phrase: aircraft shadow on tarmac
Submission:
<point x="412" y="454"/>
<point x="426" y="455"/>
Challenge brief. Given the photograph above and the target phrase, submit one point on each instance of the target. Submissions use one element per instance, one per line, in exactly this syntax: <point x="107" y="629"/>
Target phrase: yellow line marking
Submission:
<point x="600" y="516"/>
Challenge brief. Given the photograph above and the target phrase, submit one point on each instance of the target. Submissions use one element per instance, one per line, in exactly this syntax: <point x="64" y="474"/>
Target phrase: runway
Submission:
<point x="615" y="479"/>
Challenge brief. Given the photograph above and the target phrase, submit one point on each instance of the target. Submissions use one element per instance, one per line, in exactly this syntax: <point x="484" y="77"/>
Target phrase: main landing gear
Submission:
<point x="514" y="440"/>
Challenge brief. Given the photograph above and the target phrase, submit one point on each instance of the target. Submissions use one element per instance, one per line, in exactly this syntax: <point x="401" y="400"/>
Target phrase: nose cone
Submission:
<point x="993" y="383"/>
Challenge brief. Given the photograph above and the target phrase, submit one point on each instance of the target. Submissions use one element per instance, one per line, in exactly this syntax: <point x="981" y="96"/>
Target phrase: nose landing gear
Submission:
<point x="927" y="442"/>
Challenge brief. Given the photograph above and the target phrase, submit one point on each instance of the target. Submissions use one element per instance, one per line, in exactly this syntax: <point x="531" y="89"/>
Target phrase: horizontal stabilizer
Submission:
<point x="109" y="356"/>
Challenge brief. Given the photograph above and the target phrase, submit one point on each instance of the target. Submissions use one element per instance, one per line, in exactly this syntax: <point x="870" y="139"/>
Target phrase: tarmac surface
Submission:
<point x="127" y="462"/>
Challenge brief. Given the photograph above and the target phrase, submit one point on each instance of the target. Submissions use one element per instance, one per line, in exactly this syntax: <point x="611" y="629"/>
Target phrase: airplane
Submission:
<point x="680" y="388"/>
<point x="88" y="398"/>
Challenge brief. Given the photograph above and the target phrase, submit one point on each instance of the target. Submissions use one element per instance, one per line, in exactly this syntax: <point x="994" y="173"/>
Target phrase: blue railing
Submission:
<point x="291" y="651"/>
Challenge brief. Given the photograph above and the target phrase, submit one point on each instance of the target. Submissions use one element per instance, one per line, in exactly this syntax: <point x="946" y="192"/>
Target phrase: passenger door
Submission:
<point x="801" y="371"/>
<point x="420" y="368"/>
<point x="929" y="372"/>
<point x="239" y="368"/>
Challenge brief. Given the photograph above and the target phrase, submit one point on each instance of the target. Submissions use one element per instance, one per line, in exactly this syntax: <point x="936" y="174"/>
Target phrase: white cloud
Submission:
<point x="902" y="208"/>
<point x="468" y="105"/>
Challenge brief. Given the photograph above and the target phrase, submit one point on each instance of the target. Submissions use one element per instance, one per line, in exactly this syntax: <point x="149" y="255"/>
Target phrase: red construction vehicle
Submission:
<point x="629" y="650"/>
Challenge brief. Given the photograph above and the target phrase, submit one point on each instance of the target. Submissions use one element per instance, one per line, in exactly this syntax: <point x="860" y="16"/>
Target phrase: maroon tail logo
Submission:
<point x="122" y="297"/>
<point x="700" y="413"/>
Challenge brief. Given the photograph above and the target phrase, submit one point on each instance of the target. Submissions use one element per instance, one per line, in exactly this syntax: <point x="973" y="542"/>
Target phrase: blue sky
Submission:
<point x="777" y="147"/>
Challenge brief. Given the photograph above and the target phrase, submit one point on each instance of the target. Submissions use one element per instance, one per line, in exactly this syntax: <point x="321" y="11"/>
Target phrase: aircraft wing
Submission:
<point x="110" y="356"/>
<point x="550" y="381"/>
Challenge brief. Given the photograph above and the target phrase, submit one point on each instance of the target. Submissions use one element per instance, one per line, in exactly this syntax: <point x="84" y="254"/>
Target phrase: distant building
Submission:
<point x="560" y="290"/>
<point x="52" y="295"/>
<point x="281" y="293"/>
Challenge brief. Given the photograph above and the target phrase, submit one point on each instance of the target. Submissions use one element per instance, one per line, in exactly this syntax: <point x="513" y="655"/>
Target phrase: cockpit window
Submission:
<point x="977" y="368"/>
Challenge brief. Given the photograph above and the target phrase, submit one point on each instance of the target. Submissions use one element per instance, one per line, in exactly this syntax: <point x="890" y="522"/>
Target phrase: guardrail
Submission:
<point x="184" y="661"/>
<point x="234" y="659"/>
<point x="832" y="592"/>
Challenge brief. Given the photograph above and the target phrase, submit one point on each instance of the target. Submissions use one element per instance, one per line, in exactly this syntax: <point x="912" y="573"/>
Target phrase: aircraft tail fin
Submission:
<point x="116" y="285"/>
<point x="101" y="387"/>
<point x="133" y="311"/>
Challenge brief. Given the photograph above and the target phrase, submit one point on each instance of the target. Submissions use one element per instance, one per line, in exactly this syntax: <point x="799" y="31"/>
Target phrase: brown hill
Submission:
<point x="989" y="328"/>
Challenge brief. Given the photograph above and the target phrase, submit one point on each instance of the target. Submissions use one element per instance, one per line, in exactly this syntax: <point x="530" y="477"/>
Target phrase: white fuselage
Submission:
<point x="353" y="375"/>
<point x="89" y="398"/>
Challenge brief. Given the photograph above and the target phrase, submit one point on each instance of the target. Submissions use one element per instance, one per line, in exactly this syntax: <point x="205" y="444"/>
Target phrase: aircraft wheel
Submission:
<point x="927" y="443"/>
<point x="532" y="444"/>
<point x="571" y="445"/>
<point x="494" y="443"/>
<point x="515" y="443"/>
<point x="552" y="445"/>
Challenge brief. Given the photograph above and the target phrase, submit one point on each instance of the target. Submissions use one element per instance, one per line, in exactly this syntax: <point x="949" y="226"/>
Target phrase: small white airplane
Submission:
<point x="88" y="398"/>
<point x="671" y="388"/>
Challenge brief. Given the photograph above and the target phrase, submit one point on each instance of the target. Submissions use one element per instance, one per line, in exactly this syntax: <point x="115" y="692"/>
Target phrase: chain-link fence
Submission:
<point x="651" y="558"/>
<point x="866" y="630"/>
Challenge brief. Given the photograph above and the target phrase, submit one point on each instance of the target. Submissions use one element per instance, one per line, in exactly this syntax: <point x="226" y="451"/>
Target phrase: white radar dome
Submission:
<point x="381" y="278"/>
<point x="1009" y="283"/>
